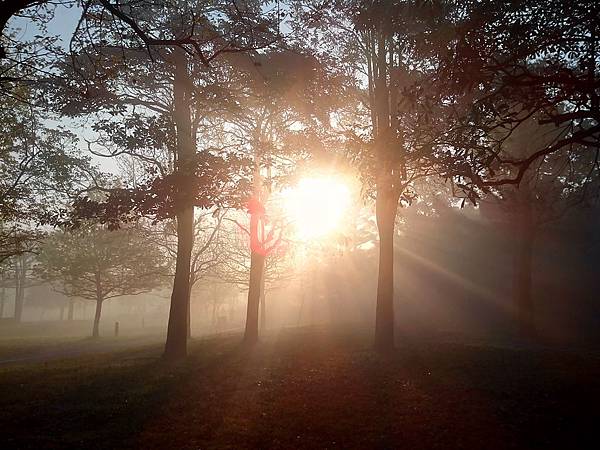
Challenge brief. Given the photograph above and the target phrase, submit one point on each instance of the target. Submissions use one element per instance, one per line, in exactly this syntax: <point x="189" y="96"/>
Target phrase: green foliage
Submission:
<point x="97" y="264"/>
<point x="40" y="171"/>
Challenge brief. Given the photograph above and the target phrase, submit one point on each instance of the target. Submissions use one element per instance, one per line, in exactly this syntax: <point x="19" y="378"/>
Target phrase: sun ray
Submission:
<point x="316" y="207"/>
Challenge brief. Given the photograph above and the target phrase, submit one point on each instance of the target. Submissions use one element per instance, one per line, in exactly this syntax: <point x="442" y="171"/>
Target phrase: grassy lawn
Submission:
<point x="304" y="389"/>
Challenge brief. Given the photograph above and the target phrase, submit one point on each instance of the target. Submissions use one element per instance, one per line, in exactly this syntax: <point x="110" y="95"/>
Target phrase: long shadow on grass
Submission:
<point x="105" y="404"/>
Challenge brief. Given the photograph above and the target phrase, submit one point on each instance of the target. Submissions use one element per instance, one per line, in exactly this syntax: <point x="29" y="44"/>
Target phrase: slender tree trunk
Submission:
<point x="257" y="265"/>
<point x="189" y="319"/>
<point x="189" y="313"/>
<point x="177" y="332"/>
<point x="386" y="207"/>
<point x="70" y="310"/>
<point x="62" y="313"/>
<point x="98" y="313"/>
<point x="263" y="312"/>
<point x="20" y="280"/>
<point x="522" y="278"/>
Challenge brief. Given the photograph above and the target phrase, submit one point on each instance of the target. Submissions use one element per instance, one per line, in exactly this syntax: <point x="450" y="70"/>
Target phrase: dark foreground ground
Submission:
<point x="301" y="389"/>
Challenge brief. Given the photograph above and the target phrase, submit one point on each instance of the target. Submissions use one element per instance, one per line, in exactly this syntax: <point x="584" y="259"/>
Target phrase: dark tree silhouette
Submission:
<point x="508" y="63"/>
<point x="548" y="190"/>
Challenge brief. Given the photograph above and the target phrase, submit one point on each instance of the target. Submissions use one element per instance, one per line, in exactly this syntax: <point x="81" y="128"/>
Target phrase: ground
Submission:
<point x="305" y="388"/>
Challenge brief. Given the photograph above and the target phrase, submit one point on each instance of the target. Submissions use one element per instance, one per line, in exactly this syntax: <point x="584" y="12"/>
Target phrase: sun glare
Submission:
<point x="316" y="206"/>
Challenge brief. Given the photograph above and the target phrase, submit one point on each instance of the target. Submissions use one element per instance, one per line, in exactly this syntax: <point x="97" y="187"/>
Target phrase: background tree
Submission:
<point x="278" y="264"/>
<point x="207" y="252"/>
<point x="95" y="264"/>
<point x="549" y="188"/>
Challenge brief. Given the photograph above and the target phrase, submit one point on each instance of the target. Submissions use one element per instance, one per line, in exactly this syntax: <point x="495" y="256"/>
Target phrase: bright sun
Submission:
<point x="316" y="206"/>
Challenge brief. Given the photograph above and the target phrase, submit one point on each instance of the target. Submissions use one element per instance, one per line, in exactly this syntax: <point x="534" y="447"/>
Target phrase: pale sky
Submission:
<point x="63" y="25"/>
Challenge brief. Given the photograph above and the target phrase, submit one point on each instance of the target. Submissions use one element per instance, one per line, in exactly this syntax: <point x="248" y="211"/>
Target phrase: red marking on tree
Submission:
<point x="265" y="236"/>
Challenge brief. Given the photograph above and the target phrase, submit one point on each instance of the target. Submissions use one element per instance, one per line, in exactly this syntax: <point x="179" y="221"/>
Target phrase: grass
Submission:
<point x="304" y="389"/>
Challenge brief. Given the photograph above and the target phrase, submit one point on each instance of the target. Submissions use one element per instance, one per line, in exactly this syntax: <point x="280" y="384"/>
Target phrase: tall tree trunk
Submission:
<point x="62" y="313"/>
<point x="388" y="192"/>
<point x="98" y="313"/>
<point x="257" y="256"/>
<point x="263" y="311"/>
<point x="189" y="313"/>
<point x="386" y="207"/>
<point x="70" y="310"/>
<point x="257" y="265"/>
<point x="20" y="280"/>
<point x="177" y="332"/>
<point x="522" y="277"/>
<point x="189" y="303"/>
<point x="99" y="300"/>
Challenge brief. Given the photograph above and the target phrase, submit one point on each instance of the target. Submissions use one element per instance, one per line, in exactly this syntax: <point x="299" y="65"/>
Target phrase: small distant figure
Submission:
<point x="116" y="329"/>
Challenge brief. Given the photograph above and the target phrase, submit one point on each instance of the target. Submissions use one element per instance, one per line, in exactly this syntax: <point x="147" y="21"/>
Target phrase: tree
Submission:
<point x="3" y="285"/>
<point x="237" y="262"/>
<point x="21" y="270"/>
<point x="277" y="100"/>
<point x="199" y="36"/>
<point x="40" y="171"/>
<point x="380" y="43"/>
<point x="548" y="189"/>
<point x="107" y="79"/>
<point x="509" y="63"/>
<point x="207" y="251"/>
<point x="96" y="264"/>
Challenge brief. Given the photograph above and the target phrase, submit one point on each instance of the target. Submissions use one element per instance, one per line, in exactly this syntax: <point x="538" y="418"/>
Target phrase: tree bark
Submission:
<point x="257" y="265"/>
<point x="189" y="313"/>
<point x="386" y="203"/>
<point x="177" y="332"/>
<point x="263" y="311"/>
<point x="97" y="314"/>
<point x="257" y="255"/>
<point x="20" y="280"/>
<point x="386" y="207"/>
